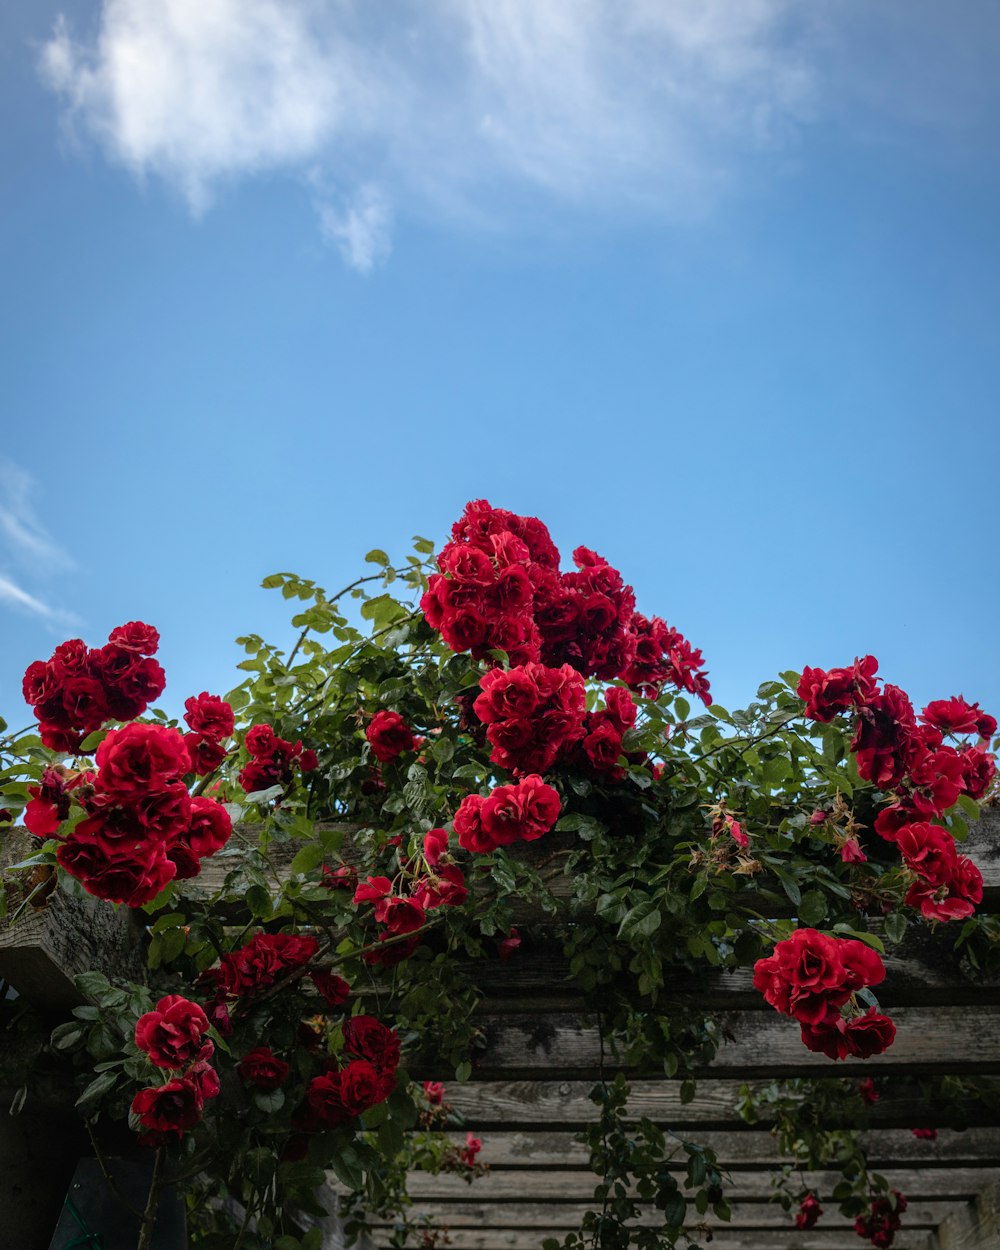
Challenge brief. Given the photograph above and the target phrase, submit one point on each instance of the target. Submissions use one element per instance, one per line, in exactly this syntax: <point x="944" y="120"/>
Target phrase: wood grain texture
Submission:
<point x="921" y="1214"/>
<point x="746" y="1149"/>
<point x="46" y="947"/>
<point x="575" y="1187"/>
<point x="488" y="1238"/>
<point x="523" y="1046"/>
<point x="565" y="1105"/>
<point x="975" y="1226"/>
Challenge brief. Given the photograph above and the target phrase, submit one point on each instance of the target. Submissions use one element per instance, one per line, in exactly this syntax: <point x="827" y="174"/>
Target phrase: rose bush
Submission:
<point x="371" y="804"/>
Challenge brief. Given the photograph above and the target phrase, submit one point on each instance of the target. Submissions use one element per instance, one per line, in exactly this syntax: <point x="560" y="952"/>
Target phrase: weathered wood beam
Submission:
<point x="565" y="1105"/>
<point x="575" y="1187"/>
<point x="747" y="1149"/>
<point x="527" y="1215"/>
<point x="975" y="1226"/>
<point x="722" y="1239"/>
<point x="982" y="846"/>
<point x="57" y="936"/>
<point x="759" y="1044"/>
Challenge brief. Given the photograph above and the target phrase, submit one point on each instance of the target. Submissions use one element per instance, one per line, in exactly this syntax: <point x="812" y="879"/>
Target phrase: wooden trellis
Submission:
<point x="528" y="1095"/>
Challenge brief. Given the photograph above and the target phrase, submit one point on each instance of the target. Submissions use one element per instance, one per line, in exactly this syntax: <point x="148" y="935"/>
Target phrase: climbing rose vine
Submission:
<point x="324" y="860"/>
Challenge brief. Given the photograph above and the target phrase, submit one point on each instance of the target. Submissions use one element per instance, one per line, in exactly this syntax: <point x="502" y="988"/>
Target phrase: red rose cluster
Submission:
<point x="272" y="760"/>
<point x="369" y="1077"/>
<point x="173" y="1036"/>
<point x="263" y="960"/>
<point x="79" y="688"/>
<point x="211" y="721"/>
<point x="883" y="1221"/>
<point x="898" y="751"/>
<point x="599" y="749"/>
<point x="142" y="828"/>
<point x="811" y="977"/>
<point x="521" y="812"/>
<point x="809" y="1212"/>
<point x="532" y="714"/>
<point x="390" y="736"/>
<point x="499" y="587"/>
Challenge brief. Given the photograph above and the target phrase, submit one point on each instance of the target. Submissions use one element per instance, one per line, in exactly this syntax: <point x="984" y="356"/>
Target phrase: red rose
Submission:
<point x="434" y="1092"/>
<point x="884" y="731"/>
<point x="325" y="1100"/>
<point x="139" y="758"/>
<point x="372" y="890"/>
<point x="262" y="1068"/>
<point x="827" y="1036"/>
<point x="172" y="1034"/>
<point x="205" y="754"/>
<point x="928" y="851"/>
<point x="370" y="1039"/>
<point x="263" y="960"/>
<point x="210" y="826"/>
<point x="526" y="810"/>
<point x="308" y="761"/>
<point x="209" y="715"/>
<point x="135" y="876"/>
<point x="827" y="693"/>
<point x="952" y="899"/>
<point x="362" y="1087"/>
<point x="978" y="770"/>
<point x="136" y="636"/>
<point x="804" y="976"/>
<point x="809" y="1212"/>
<point x="169" y="1108"/>
<point x="469" y="825"/>
<point x="389" y="736"/>
<point x="868" y="1092"/>
<point x="870" y="1034"/>
<point x="334" y="989"/>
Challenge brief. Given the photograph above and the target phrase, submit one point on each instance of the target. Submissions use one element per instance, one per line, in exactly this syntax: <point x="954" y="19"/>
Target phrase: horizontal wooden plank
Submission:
<point x="577" y="1187"/>
<point x="975" y="1226"/>
<point x="759" y="1044"/>
<point x="747" y="1149"/>
<point x="498" y="1105"/>
<point x="982" y="846"/>
<point x="722" y="1239"/>
<point x="921" y="1214"/>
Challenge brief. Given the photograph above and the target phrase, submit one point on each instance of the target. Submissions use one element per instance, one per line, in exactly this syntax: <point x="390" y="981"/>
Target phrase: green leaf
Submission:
<point x="642" y="921"/>
<point x="259" y="1165"/>
<point x="97" y="1088"/>
<point x="308" y="858"/>
<point x="969" y="806"/>
<point x="377" y="556"/>
<point x="463" y="1072"/>
<point x="92" y="984"/>
<point x="895" y="926"/>
<point x="269" y="1100"/>
<point x="66" y="1036"/>
<point x="869" y="939"/>
<point x="812" y="909"/>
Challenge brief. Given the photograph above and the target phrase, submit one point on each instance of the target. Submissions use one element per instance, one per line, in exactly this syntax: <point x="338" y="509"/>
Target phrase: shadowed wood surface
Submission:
<point x="561" y="1104"/>
<point x="525" y="1216"/>
<point x="722" y="1239"/>
<point x="759" y="1044"/>
<point x="556" y="1187"/>
<point x="749" y="1149"/>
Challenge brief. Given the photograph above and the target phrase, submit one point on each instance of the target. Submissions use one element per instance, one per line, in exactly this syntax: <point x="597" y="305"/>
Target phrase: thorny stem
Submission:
<point x="112" y="1185"/>
<point x="149" y="1215"/>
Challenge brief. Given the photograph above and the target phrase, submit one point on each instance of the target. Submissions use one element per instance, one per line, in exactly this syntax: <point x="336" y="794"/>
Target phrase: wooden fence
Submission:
<point x="528" y="1095"/>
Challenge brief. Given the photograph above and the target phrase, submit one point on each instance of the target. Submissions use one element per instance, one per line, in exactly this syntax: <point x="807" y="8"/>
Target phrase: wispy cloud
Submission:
<point x="16" y="596"/>
<point x="24" y="540"/>
<point x="453" y="107"/>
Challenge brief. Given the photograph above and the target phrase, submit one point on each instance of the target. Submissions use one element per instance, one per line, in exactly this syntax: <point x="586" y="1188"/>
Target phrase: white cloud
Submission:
<point x="361" y="229"/>
<point x="23" y="534"/>
<point x="13" y="594"/>
<point x="25" y="540"/>
<point x="465" y="107"/>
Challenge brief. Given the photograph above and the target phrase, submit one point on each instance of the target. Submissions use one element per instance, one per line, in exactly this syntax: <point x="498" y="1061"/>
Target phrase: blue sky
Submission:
<point x="711" y="288"/>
